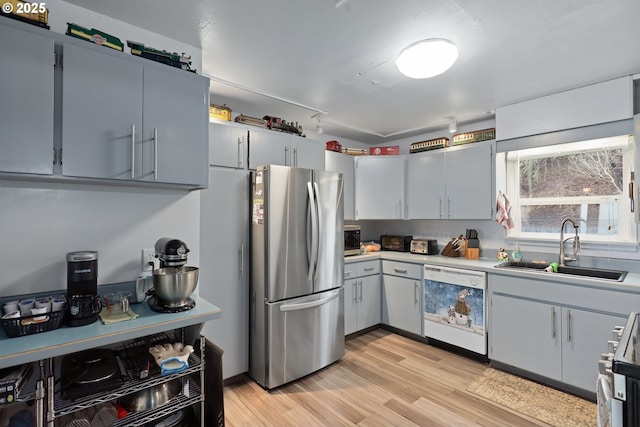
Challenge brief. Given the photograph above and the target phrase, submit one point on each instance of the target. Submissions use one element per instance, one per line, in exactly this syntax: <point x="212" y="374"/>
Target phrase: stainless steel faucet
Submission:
<point x="562" y="259"/>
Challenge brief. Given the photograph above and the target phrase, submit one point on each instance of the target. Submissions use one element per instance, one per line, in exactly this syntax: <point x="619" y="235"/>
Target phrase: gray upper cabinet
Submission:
<point x="426" y="191"/>
<point x="175" y="126"/>
<point x="101" y="115"/>
<point x="228" y="145"/>
<point x="456" y="183"/>
<point x="344" y="164"/>
<point x="122" y="120"/>
<point x="27" y="71"/>
<point x="267" y="147"/>
<point x="380" y="187"/>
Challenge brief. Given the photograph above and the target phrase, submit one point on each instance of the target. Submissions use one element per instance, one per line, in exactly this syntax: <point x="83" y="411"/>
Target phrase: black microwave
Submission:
<point x="351" y="240"/>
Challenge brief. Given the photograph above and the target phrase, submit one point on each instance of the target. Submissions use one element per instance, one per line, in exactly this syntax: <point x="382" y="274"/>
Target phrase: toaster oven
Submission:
<point x="351" y="239"/>
<point x="396" y="243"/>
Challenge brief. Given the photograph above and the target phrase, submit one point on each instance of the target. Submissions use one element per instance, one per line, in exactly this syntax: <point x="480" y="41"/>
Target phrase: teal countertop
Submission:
<point x="64" y="340"/>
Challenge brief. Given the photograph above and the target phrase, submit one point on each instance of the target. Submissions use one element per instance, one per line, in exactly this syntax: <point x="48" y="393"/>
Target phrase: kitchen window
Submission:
<point x="585" y="180"/>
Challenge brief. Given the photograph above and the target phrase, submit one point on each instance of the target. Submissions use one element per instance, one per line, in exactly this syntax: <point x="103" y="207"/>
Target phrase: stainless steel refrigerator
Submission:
<point x="296" y="320"/>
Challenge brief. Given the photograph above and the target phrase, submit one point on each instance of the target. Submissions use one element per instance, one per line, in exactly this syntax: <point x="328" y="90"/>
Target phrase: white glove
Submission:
<point x="171" y="358"/>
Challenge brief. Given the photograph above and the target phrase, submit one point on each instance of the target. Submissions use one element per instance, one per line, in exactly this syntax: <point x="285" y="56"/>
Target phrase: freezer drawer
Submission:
<point x="305" y="334"/>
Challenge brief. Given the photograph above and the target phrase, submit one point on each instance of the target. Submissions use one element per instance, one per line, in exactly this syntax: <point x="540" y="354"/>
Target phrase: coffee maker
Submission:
<point x="82" y="288"/>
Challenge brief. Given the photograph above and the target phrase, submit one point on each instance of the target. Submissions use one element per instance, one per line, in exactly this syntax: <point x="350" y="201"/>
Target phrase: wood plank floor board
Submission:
<point x="383" y="380"/>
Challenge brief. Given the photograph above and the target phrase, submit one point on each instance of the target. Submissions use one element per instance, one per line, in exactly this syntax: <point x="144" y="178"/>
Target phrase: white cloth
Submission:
<point x="503" y="211"/>
<point x="603" y="396"/>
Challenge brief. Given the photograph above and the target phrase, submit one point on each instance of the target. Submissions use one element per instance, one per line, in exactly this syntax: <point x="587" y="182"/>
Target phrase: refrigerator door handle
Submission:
<point x="310" y="304"/>
<point x="314" y="232"/>
<point x="320" y="228"/>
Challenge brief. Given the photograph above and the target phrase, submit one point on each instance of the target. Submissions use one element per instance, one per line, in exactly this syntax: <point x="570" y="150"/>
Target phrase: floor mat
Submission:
<point x="534" y="400"/>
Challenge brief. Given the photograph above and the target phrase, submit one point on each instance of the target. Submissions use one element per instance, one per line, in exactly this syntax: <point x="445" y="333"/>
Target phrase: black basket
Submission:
<point x="26" y="325"/>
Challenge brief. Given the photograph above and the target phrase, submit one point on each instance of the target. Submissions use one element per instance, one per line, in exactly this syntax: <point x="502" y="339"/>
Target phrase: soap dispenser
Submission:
<point x="516" y="255"/>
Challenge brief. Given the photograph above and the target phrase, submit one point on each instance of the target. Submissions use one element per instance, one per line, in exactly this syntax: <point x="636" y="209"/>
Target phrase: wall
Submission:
<point x="41" y="222"/>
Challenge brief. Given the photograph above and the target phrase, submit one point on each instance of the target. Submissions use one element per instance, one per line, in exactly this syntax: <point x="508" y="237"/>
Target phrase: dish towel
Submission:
<point x="603" y="396"/>
<point x="108" y="318"/>
<point x="503" y="211"/>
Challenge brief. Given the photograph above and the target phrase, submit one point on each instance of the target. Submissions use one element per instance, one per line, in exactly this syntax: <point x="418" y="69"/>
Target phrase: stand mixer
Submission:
<point x="173" y="281"/>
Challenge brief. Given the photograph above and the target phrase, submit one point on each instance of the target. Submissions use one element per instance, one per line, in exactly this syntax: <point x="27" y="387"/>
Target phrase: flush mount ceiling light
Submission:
<point x="453" y="126"/>
<point x="427" y="58"/>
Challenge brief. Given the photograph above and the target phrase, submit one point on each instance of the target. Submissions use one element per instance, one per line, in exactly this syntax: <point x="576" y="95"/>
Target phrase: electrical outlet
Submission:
<point x="148" y="256"/>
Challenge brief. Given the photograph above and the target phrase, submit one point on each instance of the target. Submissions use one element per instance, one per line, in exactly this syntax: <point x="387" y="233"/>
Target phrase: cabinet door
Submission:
<point x="369" y="302"/>
<point x="401" y="306"/>
<point x="268" y="148"/>
<point x="351" y="289"/>
<point x="307" y="153"/>
<point x="584" y="335"/>
<point x="26" y="139"/>
<point x="101" y="108"/>
<point x="527" y="335"/>
<point x="224" y="264"/>
<point x="228" y="145"/>
<point x="469" y="182"/>
<point x="175" y="126"/>
<point x="426" y="185"/>
<point x="380" y="184"/>
<point x="343" y="163"/>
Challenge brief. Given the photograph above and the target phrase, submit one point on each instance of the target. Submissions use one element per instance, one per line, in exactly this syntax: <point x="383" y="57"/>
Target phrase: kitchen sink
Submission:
<point x="595" y="273"/>
<point x="524" y="265"/>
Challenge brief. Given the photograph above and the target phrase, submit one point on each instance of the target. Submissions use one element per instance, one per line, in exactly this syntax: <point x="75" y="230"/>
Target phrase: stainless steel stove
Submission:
<point x="618" y="388"/>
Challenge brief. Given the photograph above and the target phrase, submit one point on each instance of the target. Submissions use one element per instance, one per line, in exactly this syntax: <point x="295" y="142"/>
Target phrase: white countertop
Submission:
<point x="631" y="283"/>
<point x="64" y="340"/>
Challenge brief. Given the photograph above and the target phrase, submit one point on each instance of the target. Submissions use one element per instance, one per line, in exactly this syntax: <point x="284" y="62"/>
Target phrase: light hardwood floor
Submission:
<point x="383" y="380"/>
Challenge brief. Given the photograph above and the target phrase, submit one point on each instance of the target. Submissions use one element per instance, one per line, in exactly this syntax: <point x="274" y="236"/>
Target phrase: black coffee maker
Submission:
<point x="82" y="288"/>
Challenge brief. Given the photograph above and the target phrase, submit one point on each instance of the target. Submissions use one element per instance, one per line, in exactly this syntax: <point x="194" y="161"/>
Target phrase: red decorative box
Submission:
<point x="334" y="146"/>
<point x="384" y="151"/>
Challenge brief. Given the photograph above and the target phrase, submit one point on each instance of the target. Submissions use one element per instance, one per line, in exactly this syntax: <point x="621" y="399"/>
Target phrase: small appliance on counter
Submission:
<point x="173" y="281"/>
<point x="352" y="240"/>
<point x="424" y="246"/>
<point x="82" y="288"/>
<point x="396" y="243"/>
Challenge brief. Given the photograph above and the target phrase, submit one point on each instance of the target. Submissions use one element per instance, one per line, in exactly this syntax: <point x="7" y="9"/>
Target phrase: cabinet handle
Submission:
<point x="415" y="293"/>
<point x="242" y="260"/>
<point x="133" y="151"/>
<point x="440" y="198"/>
<point x="568" y="325"/>
<point x="155" y="154"/>
<point x="448" y="207"/>
<point x="286" y="156"/>
<point x="369" y="268"/>
<point x="348" y="273"/>
<point x="354" y="289"/>
<point x="360" y="291"/>
<point x="399" y="270"/>
<point x="295" y="156"/>
<point x="553" y="322"/>
<point x="241" y="152"/>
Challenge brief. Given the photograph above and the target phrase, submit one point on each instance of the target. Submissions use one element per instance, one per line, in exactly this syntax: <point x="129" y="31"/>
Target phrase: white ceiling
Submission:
<point x="337" y="56"/>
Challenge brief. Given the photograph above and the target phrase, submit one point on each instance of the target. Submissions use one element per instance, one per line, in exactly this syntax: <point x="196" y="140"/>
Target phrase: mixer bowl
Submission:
<point x="174" y="285"/>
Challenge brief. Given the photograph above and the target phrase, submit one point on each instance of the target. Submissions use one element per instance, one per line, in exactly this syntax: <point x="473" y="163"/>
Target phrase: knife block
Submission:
<point x="472" y="253"/>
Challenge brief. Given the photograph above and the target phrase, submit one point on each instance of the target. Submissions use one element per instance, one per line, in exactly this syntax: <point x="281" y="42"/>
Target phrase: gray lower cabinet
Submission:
<point x="228" y="144"/>
<point x="26" y="139"/>
<point x="402" y="296"/>
<point x="122" y="120"/>
<point x="362" y="296"/>
<point x="224" y="266"/>
<point x="555" y="330"/>
<point x="344" y="164"/>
